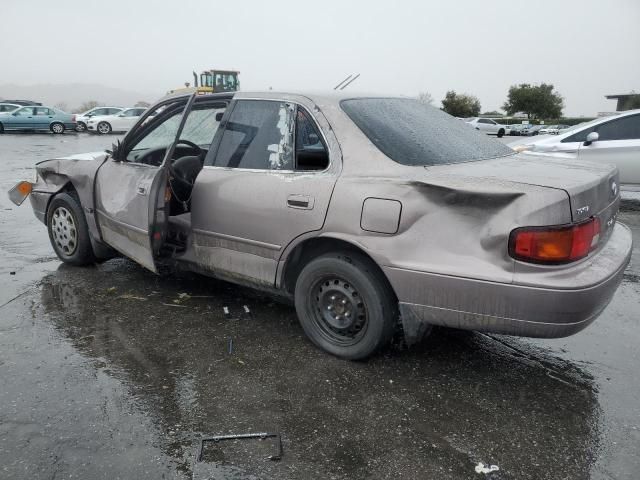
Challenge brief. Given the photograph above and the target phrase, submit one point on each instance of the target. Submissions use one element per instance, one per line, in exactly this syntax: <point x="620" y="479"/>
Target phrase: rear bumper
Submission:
<point x="530" y="311"/>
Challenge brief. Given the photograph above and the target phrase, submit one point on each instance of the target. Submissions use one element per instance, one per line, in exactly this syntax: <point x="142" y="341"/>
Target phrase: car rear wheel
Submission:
<point x="501" y="133"/>
<point x="57" y="127"/>
<point x="68" y="230"/>
<point x="345" y="305"/>
<point x="104" y="128"/>
<point x="81" y="127"/>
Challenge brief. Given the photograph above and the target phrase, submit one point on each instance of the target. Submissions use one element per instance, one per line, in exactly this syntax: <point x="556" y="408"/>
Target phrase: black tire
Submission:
<point x="1" y="128"/>
<point x="501" y="133"/>
<point x="81" y="127"/>
<point x="345" y="305"/>
<point x="69" y="237"/>
<point x="57" y="127"/>
<point x="103" y="128"/>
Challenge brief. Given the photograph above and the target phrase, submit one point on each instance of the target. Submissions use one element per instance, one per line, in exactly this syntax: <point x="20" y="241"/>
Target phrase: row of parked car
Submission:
<point x="36" y="117"/>
<point x="491" y="127"/>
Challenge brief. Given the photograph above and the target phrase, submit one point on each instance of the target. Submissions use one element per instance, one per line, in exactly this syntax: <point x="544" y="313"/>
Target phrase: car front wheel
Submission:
<point x="68" y="230"/>
<point x="81" y="127"/>
<point x="57" y="128"/>
<point x="104" y="128"/>
<point x="345" y="305"/>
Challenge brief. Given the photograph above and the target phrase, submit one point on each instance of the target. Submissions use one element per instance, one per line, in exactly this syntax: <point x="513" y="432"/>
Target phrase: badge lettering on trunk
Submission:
<point x="582" y="210"/>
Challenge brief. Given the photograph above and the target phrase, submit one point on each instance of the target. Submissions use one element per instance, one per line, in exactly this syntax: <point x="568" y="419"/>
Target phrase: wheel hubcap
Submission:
<point x="57" y="128"/>
<point x="63" y="231"/>
<point x="340" y="312"/>
<point x="104" y="128"/>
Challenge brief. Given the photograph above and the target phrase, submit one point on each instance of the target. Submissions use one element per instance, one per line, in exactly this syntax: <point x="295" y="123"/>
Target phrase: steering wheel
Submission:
<point x="192" y="145"/>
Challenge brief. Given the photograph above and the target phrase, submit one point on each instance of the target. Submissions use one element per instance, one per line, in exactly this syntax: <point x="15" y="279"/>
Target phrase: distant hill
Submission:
<point x="75" y="94"/>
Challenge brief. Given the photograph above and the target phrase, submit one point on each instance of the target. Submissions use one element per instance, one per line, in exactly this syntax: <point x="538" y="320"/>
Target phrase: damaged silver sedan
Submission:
<point x="373" y="215"/>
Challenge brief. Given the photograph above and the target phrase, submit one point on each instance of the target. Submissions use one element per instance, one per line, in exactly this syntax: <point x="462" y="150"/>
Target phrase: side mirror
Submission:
<point x="592" y="137"/>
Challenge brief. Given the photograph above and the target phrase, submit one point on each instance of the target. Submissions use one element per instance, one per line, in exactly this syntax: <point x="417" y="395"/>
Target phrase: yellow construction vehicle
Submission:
<point x="212" y="81"/>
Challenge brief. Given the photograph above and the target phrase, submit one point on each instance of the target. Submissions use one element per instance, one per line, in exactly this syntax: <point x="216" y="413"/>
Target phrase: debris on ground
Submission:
<point x="243" y="436"/>
<point x="482" y="468"/>
<point x="129" y="296"/>
<point x="174" y="305"/>
<point x="111" y="289"/>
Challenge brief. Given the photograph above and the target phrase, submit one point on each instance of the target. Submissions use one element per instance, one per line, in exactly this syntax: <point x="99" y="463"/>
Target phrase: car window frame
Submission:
<point x="215" y="146"/>
<point x="618" y="119"/>
<point x="593" y="127"/>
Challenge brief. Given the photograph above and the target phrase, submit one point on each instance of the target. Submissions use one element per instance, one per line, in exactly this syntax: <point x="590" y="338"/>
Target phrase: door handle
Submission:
<point x="142" y="190"/>
<point x="303" y="202"/>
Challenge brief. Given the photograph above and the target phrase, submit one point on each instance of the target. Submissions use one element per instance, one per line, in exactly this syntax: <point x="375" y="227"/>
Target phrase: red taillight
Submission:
<point x="73" y="118"/>
<point x="554" y="244"/>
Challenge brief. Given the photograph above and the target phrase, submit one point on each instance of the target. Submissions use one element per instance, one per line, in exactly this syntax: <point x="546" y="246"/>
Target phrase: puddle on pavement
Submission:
<point x="457" y="399"/>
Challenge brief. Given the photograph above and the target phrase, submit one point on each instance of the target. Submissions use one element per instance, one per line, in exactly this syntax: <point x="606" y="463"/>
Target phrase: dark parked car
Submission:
<point x="357" y="209"/>
<point x="24" y="103"/>
<point x="531" y="130"/>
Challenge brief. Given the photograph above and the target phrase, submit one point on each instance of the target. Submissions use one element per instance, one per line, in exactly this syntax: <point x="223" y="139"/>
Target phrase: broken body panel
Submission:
<point x="439" y="233"/>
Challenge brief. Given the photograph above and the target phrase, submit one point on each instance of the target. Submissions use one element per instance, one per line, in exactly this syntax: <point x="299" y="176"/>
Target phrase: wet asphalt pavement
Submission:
<point x="111" y="372"/>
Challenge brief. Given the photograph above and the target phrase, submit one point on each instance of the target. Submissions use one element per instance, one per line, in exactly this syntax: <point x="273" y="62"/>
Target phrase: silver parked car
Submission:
<point x="609" y="140"/>
<point x="357" y="209"/>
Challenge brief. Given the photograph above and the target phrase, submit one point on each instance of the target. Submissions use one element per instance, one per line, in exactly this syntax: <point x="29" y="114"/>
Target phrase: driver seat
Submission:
<point x="185" y="170"/>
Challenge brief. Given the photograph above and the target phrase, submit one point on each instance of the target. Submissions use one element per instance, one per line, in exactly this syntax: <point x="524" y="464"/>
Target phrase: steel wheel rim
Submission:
<point x="57" y="128"/>
<point x="339" y="312"/>
<point x="81" y="127"/>
<point x="64" y="231"/>
<point x="103" y="128"/>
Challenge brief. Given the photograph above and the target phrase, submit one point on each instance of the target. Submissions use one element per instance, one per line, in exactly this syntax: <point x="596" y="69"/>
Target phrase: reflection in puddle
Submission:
<point x="435" y="411"/>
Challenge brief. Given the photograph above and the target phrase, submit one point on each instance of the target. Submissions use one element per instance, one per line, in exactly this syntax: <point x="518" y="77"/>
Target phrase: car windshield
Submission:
<point x="200" y="127"/>
<point x="412" y="133"/>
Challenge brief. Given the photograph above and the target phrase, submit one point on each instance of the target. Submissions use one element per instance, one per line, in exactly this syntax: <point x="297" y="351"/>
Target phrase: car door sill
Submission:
<point x="248" y="241"/>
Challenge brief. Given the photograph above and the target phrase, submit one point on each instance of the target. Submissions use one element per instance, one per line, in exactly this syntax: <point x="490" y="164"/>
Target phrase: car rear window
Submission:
<point x="412" y="133"/>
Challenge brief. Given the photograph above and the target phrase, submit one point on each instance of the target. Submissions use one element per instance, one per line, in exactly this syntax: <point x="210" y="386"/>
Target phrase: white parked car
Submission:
<point x="614" y="139"/>
<point x="83" y="118"/>
<point x="488" y="126"/>
<point x="120" y="122"/>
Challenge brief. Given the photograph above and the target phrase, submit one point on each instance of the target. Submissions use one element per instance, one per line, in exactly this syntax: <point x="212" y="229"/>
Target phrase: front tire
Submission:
<point x="345" y="305"/>
<point x="103" y="128"/>
<point x="57" y="128"/>
<point x="68" y="231"/>
<point x="501" y="133"/>
<point x="81" y="127"/>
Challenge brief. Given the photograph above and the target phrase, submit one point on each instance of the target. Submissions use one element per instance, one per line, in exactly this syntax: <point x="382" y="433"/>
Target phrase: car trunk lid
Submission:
<point x="592" y="188"/>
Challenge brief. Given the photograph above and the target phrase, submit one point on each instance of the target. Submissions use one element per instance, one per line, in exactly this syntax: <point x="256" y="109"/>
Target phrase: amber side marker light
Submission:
<point x="20" y="192"/>
<point x="554" y="245"/>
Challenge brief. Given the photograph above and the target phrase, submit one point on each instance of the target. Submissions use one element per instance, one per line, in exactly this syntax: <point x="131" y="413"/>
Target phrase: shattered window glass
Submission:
<point x="412" y="133"/>
<point x="258" y="135"/>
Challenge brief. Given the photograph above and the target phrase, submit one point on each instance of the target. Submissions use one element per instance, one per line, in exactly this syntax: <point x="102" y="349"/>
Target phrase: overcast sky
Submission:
<point x="586" y="48"/>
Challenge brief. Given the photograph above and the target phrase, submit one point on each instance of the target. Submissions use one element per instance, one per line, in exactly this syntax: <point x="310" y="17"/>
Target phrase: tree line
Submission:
<point x="535" y="101"/>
